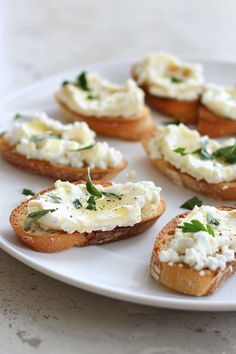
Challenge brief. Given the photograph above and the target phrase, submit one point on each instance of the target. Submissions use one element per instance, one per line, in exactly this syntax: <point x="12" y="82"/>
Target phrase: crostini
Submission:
<point x="217" y="111"/>
<point x="83" y="214"/>
<point x="194" y="161"/>
<point x="195" y="252"/>
<point x="112" y="110"/>
<point x="44" y="146"/>
<point x="172" y="87"/>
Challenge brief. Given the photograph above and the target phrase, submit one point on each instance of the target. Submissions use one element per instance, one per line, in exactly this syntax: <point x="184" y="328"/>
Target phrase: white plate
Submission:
<point x="119" y="269"/>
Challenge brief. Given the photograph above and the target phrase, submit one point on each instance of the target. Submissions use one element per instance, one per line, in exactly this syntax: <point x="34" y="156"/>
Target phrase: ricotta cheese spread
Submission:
<point x="220" y="100"/>
<point x="119" y="205"/>
<point x="101" y="98"/>
<point x="167" y="76"/>
<point x="201" y="249"/>
<point x="73" y="145"/>
<point x="192" y="153"/>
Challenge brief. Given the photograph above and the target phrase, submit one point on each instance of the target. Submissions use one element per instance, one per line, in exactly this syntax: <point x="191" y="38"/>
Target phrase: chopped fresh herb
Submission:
<point x="204" y="153"/>
<point x="82" y="81"/>
<point x="175" y="122"/>
<point x="34" y="216"/>
<point x="91" y="187"/>
<point x="90" y="97"/>
<point x="195" y="226"/>
<point x="26" y="191"/>
<point x="2" y="133"/>
<point x="54" y="198"/>
<point x="18" y="116"/>
<point x="190" y="204"/>
<point x="175" y="80"/>
<point x="227" y="154"/>
<point x="85" y="148"/>
<point x="91" y="203"/>
<point x="212" y="220"/>
<point x="77" y="204"/>
<point x="181" y="151"/>
<point x="66" y="82"/>
<point x="109" y="194"/>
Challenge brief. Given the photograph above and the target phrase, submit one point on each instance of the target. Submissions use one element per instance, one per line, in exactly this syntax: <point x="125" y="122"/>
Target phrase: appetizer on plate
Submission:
<point x="195" y="252"/>
<point x="83" y="214"/>
<point x="217" y="111"/>
<point x="112" y="110"/>
<point x="44" y="146"/>
<point x="194" y="161"/>
<point x="171" y="86"/>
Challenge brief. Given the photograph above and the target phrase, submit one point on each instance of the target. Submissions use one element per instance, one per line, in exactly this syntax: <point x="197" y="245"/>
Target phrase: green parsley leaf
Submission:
<point x="175" y="80"/>
<point x="77" y="204"/>
<point x="26" y="191"/>
<point x="91" y="203"/>
<point x="181" y="151"/>
<point x="91" y="187"/>
<point x="109" y="194"/>
<point x="82" y="81"/>
<point x="190" y="204"/>
<point x="35" y="216"/>
<point x="84" y="148"/>
<point x="175" y="122"/>
<point x="212" y="220"/>
<point x="2" y="133"/>
<point x="195" y="226"/>
<point x="227" y="154"/>
<point x="54" y="198"/>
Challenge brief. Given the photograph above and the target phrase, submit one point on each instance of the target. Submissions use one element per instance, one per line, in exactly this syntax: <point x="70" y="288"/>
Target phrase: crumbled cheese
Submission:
<point x="171" y="137"/>
<point x="201" y="250"/>
<point x="167" y="76"/>
<point x="124" y="209"/>
<point x="109" y="100"/>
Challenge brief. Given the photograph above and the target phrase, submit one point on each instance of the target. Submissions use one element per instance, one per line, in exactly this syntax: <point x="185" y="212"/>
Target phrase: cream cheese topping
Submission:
<point x="104" y="99"/>
<point x="172" y="137"/>
<point x="65" y="144"/>
<point x="202" y="250"/>
<point x="126" y="207"/>
<point x="167" y="76"/>
<point x="220" y="100"/>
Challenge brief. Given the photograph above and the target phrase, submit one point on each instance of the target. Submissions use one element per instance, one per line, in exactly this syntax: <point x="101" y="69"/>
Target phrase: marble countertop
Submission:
<point x="39" y="38"/>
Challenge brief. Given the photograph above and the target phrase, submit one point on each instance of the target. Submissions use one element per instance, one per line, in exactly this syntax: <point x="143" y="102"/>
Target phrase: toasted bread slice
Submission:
<point x="132" y="128"/>
<point x="214" y="125"/>
<point x="45" y="168"/>
<point x="183" y="278"/>
<point x="184" y="111"/>
<point x="55" y="241"/>
<point x="223" y="190"/>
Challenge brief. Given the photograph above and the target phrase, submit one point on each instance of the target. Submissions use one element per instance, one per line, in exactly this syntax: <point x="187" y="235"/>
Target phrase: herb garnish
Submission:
<point x="181" y="151"/>
<point x="91" y="187"/>
<point x="91" y="203"/>
<point x="18" y="116"/>
<point x="175" y="80"/>
<point x="212" y="220"/>
<point x="195" y="226"/>
<point x="84" y="148"/>
<point x="34" y="216"/>
<point x="54" y="198"/>
<point x="2" y="133"/>
<point x="81" y="81"/>
<point x="190" y="204"/>
<point x="77" y="204"/>
<point x="109" y="194"/>
<point x="227" y="154"/>
<point x="26" y="191"/>
<point x="175" y="122"/>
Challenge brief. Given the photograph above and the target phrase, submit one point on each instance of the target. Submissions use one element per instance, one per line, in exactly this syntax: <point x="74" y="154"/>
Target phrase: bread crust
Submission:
<point x="185" y="279"/>
<point x="214" y="125"/>
<point x="131" y="129"/>
<point x="45" y="168"/>
<point x="55" y="241"/>
<point x="183" y="110"/>
<point x="222" y="191"/>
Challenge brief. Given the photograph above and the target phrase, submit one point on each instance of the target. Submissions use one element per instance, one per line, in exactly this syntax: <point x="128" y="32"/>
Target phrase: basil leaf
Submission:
<point x="212" y="220"/>
<point x="227" y="154"/>
<point x="2" y="133"/>
<point x="196" y="226"/>
<point x="210" y="230"/>
<point x="91" y="203"/>
<point x="91" y="187"/>
<point x="190" y="204"/>
<point x="181" y="151"/>
<point x="175" y="80"/>
<point x="109" y="194"/>
<point x="77" y="204"/>
<point x="175" y="122"/>
<point x="54" y="198"/>
<point x="34" y="216"/>
<point x="26" y="191"/>
<point x="82" y="81"/>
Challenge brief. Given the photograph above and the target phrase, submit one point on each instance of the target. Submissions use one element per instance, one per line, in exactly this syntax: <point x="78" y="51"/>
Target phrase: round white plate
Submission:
<point x="119" y="269"/>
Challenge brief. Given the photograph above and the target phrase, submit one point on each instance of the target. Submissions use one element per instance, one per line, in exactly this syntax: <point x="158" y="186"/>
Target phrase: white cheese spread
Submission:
<point x="202" y="250"/>
<point x="126" y="207"/>
<point x="73" y="145"/>
<point x="167" y="76"/>
<point x="220" y="100"/>
<point x="103" y="99"/>
<point x="172" y="137"/>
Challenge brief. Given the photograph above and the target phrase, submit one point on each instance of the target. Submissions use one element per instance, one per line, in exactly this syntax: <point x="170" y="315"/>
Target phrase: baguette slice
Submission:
<point x="45" y="168"/>
<point x="184" y="111"/>
<point x="132" y="128"/>
<point x="55" y="241"/>
<point x="214" y="125"/>
<point x="185" y="279"/>
<point x="222" y="191"/>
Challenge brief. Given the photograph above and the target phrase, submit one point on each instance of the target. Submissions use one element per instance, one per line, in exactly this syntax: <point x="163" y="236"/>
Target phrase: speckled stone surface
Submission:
<point x="39" y="38"/>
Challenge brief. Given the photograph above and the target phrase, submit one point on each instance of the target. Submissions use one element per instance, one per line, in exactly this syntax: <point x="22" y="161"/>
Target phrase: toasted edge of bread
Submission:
<point x="214" y="125"/>
<point x="222" y="191"/>
<point x="183" y="278"/>
<point x="131" y="128"/>
<point x="55" y="241"/>
<point x="45" y="168"/>
<point x="184" y="111"/>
